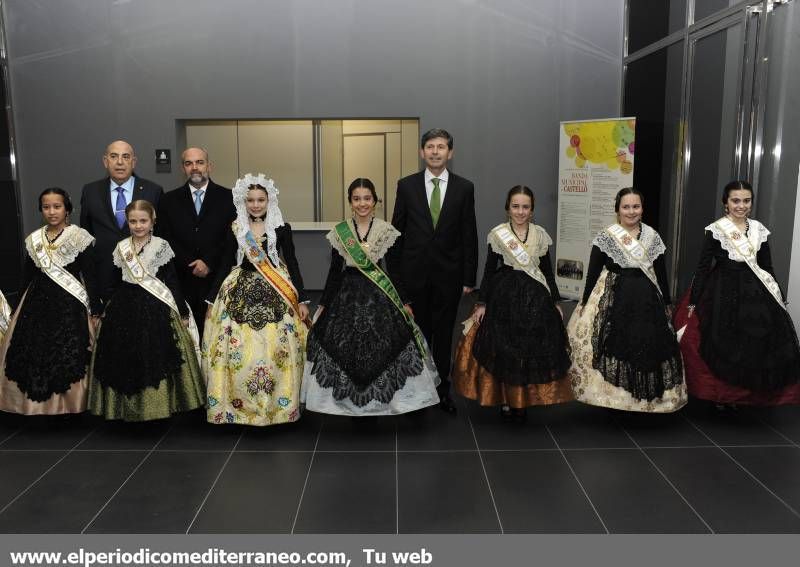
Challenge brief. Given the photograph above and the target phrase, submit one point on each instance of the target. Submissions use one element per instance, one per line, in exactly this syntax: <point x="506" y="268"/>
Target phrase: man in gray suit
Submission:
<point x="103" y="205"/>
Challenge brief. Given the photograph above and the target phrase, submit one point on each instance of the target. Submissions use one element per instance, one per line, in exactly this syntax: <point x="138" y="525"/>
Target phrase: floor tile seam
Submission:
<point x="308" y="474"/>
<point x="414" y="451"/>
<point x="776" y="430"/>
<point x="486" y="476"/>
<point x="13" y="433"/>
<point x="757" y="446"/>
<point x="124" y="482"/>
<point x="92" y="431"/>
<point x="214" y="484"/>
<point x="45" y="473"/>
<point x="667" y="479"/>
<point x="578" y="480"/>
<point x="747" y="471"/>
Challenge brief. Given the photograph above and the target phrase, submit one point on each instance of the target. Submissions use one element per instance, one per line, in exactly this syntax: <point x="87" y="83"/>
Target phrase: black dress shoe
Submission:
<point x="520" y="415"/>
<point x="446" y="405"/>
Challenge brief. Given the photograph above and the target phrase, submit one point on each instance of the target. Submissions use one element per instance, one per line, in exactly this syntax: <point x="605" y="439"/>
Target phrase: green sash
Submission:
<point x="378" y="277"/>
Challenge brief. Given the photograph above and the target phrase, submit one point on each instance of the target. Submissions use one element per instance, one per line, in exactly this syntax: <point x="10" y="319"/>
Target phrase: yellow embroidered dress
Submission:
<point x="254" y="341"/>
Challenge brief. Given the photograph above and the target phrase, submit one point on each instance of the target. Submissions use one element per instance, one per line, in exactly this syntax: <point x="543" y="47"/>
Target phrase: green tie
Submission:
<point x="436" y="201"/>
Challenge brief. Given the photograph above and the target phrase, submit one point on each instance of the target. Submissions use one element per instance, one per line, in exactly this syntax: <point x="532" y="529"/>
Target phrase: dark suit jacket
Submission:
<point x="97" y="216"/>
<point x="448" y="254"/>
<point x="194" y="236"/>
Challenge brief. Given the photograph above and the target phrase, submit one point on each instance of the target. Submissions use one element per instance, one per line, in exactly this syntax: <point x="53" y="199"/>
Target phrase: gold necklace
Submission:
<point x="51" y="242"/>
<point x="140" y="247"/>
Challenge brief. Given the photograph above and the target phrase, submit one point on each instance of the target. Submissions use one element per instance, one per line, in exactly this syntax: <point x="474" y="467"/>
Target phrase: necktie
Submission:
<point x="436" y="201"/>
<point x="119" y="208"/>
<point x="198" y="200"/>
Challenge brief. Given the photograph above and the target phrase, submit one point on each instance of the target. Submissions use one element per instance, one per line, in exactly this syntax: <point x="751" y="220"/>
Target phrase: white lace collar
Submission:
<point x="380" y="238"/>
<point x="155" y="254"/>
<point x="649" y="239"/>
<point x="536" y="246"/>
<point x="756" y="236"/>
<point x="72" y="242"/>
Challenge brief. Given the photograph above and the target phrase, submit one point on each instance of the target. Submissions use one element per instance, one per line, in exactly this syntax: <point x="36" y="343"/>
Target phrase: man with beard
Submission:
<point x="195" y="219"/>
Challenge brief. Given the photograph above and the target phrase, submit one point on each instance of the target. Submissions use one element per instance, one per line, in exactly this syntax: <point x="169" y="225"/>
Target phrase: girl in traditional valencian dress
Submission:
<point x="515" y="352"/>
<point x="366" y="356"/>
<point x="145" y="365"/>
<point x="739" y="343"/>
<point x="46" y="350"/>
<point x="625" y="353"/>
<point x="255" y="335"/>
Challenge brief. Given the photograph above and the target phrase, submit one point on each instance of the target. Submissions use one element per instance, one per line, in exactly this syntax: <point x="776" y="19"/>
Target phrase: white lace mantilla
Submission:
<point x="273" y="220"/>
<point x="536" y="246"/>
<point x="756" y="236"/>
<point x="72" y="242"/>
<point x="649" y="239"/>
<point x="155" y="254"/>
<point x="380" y="238"/>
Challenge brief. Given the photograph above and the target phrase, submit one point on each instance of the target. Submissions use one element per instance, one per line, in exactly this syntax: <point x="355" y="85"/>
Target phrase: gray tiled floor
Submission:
<point x="569" y="469"/>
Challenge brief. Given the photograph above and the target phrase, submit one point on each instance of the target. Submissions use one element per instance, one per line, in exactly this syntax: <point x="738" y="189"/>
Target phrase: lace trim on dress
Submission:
<point x="329" y="374"/>
<point x="155" y="254"/>
<point x="649" y="239"/>
<point x="757" y="236"/>
<point x="541" y="240"/>
<point x="72" y="242"/>
<point x="380" y="239"/>
<point x="252" y="301"/>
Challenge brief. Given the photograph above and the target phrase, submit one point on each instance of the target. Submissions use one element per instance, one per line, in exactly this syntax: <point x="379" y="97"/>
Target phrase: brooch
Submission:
<point x="350" y="243"/>
<point x="626" y="240"/>
<point x="513" y="245"/>
<point x="253" y="252"/>
<point x="39" y="247"/>
<point x="736" y="235"/>
<point x="128" y="256"/>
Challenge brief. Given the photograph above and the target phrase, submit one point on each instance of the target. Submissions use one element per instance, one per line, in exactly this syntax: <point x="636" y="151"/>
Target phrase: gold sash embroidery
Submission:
<point x="275" y="277"/>
<point x="522" y="260"/>
<point x="43" y="260"/>
<point x="745" y="250"/>
<point x="635" y="252"/>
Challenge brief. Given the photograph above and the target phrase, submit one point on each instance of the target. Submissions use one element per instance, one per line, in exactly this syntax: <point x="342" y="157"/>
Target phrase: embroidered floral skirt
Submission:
<point x="253" y="354"/>
<point x="362" y="358"/>
<point x="131" y="378"/>
<point x="624" y="352"/>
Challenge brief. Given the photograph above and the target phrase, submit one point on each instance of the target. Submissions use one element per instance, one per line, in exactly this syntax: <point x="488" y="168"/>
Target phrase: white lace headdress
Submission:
<point x="274" y="217"/>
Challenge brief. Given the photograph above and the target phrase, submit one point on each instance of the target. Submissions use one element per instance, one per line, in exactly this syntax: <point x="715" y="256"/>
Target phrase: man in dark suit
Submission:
<point x="196" y="219"/>
<point x="103" y="205"/>
<point x="437" y="255"/>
